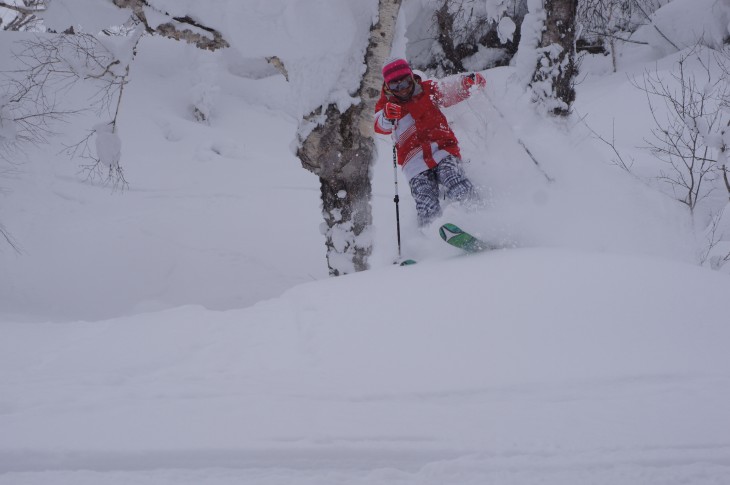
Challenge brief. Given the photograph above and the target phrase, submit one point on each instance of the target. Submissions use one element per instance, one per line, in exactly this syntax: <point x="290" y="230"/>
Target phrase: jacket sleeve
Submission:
<point x="450" y="91"/>
<point x="383" y="126"/>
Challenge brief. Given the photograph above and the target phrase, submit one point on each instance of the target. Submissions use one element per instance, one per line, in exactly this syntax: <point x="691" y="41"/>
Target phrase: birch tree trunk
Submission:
<point x="341" y="152"/>
<point x="553" y="81"/>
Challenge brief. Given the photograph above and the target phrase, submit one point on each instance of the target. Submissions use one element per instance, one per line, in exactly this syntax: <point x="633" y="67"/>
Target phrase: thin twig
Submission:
<point x="648" y="17"/>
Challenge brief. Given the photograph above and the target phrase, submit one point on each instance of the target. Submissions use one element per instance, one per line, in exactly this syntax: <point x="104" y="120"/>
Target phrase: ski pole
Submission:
<point x="396" y="199"/>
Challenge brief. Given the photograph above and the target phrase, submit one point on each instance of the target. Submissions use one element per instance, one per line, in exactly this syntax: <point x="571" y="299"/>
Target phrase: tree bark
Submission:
<point x="175" y="29"/>
<point x="341" y="151"/>
<point x="445" y="24"/>
<point x="553" y="81"/>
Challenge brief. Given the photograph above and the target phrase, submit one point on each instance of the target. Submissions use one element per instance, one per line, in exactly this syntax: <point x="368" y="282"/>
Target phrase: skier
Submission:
<point x="427" y="149"/>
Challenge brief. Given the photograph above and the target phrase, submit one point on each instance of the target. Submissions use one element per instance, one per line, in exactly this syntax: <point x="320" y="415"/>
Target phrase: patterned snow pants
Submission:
<point x="425" y="188"/>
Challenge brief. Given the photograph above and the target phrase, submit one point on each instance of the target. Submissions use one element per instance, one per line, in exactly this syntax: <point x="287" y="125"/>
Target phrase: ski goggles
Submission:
<point x="401" y="84"/>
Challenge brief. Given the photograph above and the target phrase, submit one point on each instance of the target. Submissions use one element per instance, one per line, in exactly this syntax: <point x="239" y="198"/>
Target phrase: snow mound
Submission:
<point x="445" y="365"/>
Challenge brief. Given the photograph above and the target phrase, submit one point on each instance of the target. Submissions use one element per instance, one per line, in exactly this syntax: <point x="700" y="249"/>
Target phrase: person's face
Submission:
<point x="402" y="87"/>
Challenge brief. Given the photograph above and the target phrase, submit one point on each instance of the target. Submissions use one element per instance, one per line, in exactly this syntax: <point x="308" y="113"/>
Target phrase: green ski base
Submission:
<point x="454" y="235"/>
<point x="457" y="237"/>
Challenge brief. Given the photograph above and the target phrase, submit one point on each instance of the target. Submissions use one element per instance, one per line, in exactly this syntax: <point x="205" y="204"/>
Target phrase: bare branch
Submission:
<point x="615" y="37"/>
<point x="619" y="160"/>
<point x="25" y="17"/>
<point x="19" y="9"/>
<point x="693" y="115"/>
<point x="51" y="66"/>
<point x="648" y="17"/>
<point x="9" y="239"/>
<point x="96" y="170"/>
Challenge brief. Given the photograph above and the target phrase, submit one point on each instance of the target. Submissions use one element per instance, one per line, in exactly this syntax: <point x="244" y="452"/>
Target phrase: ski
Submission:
<point x="457" y="237"/>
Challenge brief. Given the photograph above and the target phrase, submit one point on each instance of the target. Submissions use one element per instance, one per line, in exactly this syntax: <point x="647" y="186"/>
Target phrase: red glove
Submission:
<point x="474" y="79"/>
<point x="393" y="111"/>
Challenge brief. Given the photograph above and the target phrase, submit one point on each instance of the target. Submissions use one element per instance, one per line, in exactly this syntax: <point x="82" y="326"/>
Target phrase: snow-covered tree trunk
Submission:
<point x="553" y="81"/>
<point x="179" y="28"/>
<point x="341" y="152"/>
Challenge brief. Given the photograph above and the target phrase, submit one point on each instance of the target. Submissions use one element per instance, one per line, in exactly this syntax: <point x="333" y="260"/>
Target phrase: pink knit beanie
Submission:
<point x="395" y="68"/>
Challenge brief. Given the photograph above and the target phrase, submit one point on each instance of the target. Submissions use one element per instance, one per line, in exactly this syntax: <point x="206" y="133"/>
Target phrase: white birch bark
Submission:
<point x="341" y="151"/>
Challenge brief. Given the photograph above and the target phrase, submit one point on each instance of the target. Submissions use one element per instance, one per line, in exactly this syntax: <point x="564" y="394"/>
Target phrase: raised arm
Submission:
<point x="456" y="89"/>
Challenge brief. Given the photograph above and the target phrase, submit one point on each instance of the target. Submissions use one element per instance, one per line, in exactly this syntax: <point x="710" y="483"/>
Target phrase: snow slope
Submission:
<point x="184" y="331"/>
<point x="531" y="364"/>
<point x="204" y="203"/>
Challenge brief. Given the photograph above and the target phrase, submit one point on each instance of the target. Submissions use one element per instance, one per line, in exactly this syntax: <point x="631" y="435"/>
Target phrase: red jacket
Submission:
<point x="423" y="134"/>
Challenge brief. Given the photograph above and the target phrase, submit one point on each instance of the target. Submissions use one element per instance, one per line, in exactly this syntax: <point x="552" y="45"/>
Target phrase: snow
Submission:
<point x="506" y="29"/>
<point x="531" y="33"/>
<point x="496" y="9"/>
<point x="88" y="16"/>
<point x="108" y="146"/>
<point x="685" y="22"/>
<point x="302" y="385"/>
<point x="185" y="330"/>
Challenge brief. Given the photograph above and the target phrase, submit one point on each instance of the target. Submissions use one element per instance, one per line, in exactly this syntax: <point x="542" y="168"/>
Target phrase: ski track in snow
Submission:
<point x="699" y="465"/>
